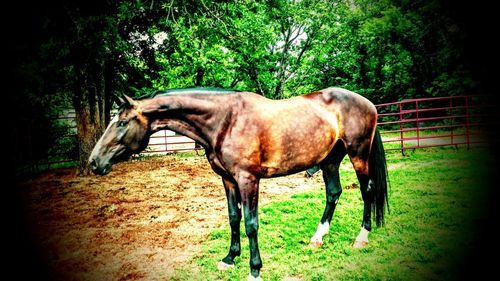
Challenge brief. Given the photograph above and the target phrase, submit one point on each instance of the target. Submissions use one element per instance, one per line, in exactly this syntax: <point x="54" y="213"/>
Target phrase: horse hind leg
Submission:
<point x="359" y="159"/>
<point x="372" y="175"/>
<point x="331" y="177"/>
<point x="367" y="195"/>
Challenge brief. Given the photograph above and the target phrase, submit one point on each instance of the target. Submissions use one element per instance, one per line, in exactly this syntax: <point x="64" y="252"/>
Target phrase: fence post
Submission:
<point x="418" y="124"/>
<point x="401" y="128"/>
<point x="451" y="120"/>
<point x="467" y="130"/>
<point x="166" y="140"/>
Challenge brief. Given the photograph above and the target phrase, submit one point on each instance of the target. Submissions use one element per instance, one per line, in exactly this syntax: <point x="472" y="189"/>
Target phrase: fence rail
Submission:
<point x="430" y="122"/>
<point x="166" y="141"/>
<point x="406" y="124"/>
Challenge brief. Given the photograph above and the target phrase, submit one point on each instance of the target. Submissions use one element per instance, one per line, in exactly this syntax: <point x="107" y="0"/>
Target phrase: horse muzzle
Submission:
<point x="100" y="168"/>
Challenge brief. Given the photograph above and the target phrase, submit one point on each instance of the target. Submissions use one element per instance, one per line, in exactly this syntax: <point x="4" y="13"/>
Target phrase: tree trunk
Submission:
<point x="91" y="105"/>
<point x="200" y="73"/>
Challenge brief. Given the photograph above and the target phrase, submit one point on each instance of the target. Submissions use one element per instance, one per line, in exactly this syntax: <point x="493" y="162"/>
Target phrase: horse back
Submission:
<point x="356" y="115"/>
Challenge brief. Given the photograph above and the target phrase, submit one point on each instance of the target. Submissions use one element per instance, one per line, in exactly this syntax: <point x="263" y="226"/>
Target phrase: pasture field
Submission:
<point x="438" y="200"/>
<point x="165" y="218"/>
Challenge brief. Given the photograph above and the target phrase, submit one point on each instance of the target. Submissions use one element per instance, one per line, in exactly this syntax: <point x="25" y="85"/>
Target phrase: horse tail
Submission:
<point x="379" y="177"/>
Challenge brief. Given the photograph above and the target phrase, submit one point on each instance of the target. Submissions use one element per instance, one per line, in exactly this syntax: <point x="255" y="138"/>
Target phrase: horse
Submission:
<point x="247" y="137"/>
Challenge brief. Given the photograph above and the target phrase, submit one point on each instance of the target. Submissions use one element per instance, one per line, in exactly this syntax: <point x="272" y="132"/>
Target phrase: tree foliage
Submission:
<point x="81" y="54"/>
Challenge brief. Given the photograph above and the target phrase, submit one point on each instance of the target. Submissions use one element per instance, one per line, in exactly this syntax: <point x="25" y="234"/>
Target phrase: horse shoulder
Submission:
<point x="236" y="140"/>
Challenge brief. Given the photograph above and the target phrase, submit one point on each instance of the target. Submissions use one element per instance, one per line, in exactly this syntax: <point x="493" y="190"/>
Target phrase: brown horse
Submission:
<point x="248" y="137"/>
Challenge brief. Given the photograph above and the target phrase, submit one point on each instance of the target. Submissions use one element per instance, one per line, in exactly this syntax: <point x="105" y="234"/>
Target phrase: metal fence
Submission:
<point x="45" y="144"/>
<point x="166" y="141"/>
<point x="431" y="122"/>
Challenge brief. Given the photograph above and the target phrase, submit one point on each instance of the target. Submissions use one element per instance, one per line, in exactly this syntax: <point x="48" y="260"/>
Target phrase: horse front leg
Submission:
<point x="234" y="212"/>
<point x="330" y="167"/>
<point x="249" y="190"/>
<point x="333" y="191"/>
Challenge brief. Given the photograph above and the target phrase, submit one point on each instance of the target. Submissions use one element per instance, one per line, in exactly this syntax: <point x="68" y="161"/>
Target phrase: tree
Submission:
<point x="85" y="55"/>
<point x="80" y="56"/>
<point x="81" y="33"/>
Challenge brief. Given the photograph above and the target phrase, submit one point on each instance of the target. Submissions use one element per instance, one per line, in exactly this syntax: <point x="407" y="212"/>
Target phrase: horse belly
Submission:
<point x="297" y="148"/>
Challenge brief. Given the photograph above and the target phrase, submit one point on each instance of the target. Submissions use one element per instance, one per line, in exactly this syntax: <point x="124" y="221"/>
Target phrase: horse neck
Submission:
<point x="198" y="117"/>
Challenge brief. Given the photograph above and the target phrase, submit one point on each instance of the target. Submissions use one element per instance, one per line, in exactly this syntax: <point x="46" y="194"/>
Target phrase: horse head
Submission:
<point x="127" y="133"/>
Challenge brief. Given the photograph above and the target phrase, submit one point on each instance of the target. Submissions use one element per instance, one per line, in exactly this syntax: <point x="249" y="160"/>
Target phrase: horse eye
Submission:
<point x="122" y="123"/>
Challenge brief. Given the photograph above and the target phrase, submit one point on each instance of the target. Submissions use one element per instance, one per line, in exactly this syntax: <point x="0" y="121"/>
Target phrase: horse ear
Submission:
<point x="119" y="100"/>
<point x="128" y="101"/>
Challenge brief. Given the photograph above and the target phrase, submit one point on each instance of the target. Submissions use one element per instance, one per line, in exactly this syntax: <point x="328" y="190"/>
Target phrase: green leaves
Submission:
<point x="386" y="50"/>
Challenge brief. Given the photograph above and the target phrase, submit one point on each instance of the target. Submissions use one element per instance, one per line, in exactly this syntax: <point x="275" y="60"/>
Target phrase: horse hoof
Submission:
<point x="316" y="244"/>
<point x="224" y="266"/>
<point x="251" y="278"/>
<point x="359" y="244"/>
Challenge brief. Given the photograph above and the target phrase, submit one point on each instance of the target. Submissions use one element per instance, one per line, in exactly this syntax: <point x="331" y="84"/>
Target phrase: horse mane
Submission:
<point x="195" y="90"/>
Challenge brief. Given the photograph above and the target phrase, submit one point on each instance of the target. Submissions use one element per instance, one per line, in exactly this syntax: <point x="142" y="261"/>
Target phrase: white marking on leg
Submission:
<point x="322" y="230"/>
<point x="251" y="278"/>
<point x="363" y="235"/>
<point x="223" y="266"/>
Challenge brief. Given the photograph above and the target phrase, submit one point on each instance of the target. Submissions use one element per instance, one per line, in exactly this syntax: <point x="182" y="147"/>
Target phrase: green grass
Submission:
<point x="435" y="206"/>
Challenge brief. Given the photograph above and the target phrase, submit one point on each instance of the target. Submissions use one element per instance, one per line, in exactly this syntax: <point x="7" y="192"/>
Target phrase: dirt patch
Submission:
<point x="137" y="223"/>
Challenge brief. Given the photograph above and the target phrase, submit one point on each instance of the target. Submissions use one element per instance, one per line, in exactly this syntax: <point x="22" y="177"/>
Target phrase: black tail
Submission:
<point x="379" y="177"/>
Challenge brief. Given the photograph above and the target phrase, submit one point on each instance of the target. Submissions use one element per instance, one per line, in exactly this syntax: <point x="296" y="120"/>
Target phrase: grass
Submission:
<point x="435" y="209"/>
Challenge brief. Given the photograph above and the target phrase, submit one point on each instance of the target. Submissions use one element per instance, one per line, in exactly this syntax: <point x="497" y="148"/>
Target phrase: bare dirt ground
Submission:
<point x="140" y="222"/>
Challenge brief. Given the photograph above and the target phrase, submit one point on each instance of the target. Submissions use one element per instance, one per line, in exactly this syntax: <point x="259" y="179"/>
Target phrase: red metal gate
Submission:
<point x="429" y="122"/>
